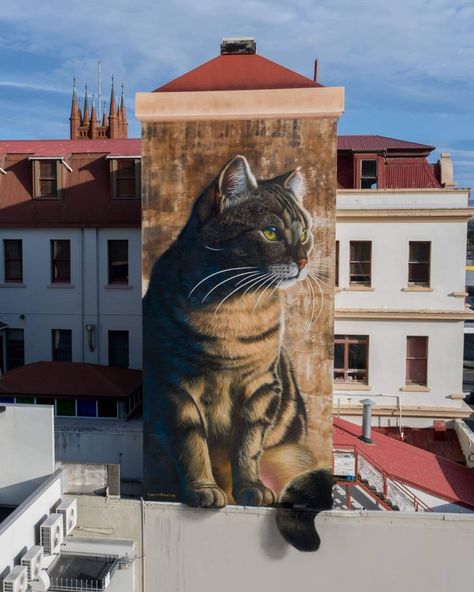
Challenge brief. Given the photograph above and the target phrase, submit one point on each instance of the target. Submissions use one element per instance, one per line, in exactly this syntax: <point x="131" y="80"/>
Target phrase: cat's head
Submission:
<point x="257" y="223"/>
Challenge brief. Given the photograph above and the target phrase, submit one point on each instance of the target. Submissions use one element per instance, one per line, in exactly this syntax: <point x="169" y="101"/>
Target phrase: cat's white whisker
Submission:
<point x="276" y="287"/>
<point x="254" y="273"/>
<point x="212" y="248"/>
<point x="260" y="280"/>
<point x="269" y="282"/>
<point x="322" y="297"/>
<point x="245" y="273"/>
<point x="253" y="281"/>
<point x="313" y="303"/>
<point x="216" y="273"/>
<point x="322" y="279"/>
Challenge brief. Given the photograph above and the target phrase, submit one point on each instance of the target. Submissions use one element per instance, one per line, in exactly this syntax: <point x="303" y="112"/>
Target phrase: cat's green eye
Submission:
<point x="304" y="236"/>
<point x="271" y="233"/>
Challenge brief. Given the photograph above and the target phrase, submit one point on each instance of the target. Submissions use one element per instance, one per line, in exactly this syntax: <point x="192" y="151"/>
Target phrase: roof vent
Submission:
<point x="238" y="45"/>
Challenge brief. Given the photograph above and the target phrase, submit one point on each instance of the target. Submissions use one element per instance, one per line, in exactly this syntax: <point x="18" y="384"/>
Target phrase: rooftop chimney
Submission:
<point x="366" y="421"/>
<point x="238" y="45"/>
<point x="446" y="170"/>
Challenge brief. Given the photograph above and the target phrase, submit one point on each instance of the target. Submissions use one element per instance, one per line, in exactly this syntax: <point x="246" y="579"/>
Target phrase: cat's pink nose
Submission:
<point x="302" y="263"/>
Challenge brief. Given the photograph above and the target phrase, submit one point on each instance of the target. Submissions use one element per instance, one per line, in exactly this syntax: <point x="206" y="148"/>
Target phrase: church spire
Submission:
<point x="75" y="118"/>
<point x="113" y="118"/>
<point x="123" y="116"/>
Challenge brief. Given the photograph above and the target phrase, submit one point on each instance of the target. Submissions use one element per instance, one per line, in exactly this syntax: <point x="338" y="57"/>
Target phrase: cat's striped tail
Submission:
<point x="300" y="502"/>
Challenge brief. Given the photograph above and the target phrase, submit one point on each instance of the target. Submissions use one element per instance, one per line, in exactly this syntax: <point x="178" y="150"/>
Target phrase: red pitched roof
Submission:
<point x="413" y="466"/>
<point x="70" y="379"/>
<point x="128" y="147"/>
<point x="357" y="143"/>
<point x="238" y="72"/>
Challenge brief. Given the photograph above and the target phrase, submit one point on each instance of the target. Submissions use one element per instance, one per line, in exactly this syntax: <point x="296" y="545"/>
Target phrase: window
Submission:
<point x="13" y="258"/>
<point x="62" y="345"/>
<point x="417" y="360"/>
<point x="118" y="348"/>
<point x="24" y="400"/>
<point x="360" y="263"/>
<point x="60" y="261"/>
<point x="125" y="175"/>
<point x="15" y="348"/>
<point x="66" y="407"/>
<point x="106" y="408"/>
<point x="336" y="278"/>
<point x="419" y="263"/>
<point x="118" y="261"/>
<point x="86" y="408"/>
<point x="351" y="358"/>
<point x="368" y="174"/>
<point x="46" y="178"/>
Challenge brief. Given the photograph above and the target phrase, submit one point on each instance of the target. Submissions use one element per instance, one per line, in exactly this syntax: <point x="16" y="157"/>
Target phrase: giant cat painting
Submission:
<point x="224" y="418"/>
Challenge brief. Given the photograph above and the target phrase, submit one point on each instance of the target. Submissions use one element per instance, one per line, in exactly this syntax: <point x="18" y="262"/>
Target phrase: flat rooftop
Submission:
<point x="88" y="572"/>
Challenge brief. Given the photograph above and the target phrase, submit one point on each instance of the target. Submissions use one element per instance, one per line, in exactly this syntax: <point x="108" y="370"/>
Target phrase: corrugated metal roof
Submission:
<point x="70" y="379"/>
<point x="128" y="147"/>
<point x="238" y="72"/>
<point x="414" y="466"/>
<point x="373" y="143"/>
<point x="409" y="175"/>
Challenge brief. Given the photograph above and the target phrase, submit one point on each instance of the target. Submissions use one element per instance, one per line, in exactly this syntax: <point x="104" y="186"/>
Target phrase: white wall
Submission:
<point x="387" y="359"/>
<point x="101" y="441"/>
<point x="241" y="549"/>
<point x="87" y="300"/>
<point x="26" y="450"/>
<point x="20" y="530"/>
<point x="383" y="199"/>
<point x="390" y="246"/>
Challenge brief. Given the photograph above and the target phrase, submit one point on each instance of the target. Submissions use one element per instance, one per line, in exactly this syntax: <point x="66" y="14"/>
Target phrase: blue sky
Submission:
<point x="408" y="66"/>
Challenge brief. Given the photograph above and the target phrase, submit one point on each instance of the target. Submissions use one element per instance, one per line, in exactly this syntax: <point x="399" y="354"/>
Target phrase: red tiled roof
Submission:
<point x="372" y="143"/>
<point x="411" y="465"/>
<point x="128" y="147"/>
<point x="424" y="438"/>
<point x="70" y="379"/>
<point x="238" y="72"/>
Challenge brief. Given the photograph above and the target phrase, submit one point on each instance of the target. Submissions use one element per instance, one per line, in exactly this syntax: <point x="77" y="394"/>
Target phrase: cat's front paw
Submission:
<point x="254" y="494"/>
<point x="205" y="495"/>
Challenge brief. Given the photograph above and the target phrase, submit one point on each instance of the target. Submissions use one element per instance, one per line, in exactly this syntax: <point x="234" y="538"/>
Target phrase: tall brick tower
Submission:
<point x="97" y="125"/>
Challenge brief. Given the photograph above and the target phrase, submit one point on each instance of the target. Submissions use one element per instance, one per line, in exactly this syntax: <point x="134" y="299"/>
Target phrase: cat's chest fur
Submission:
<point x="240" y="349"/>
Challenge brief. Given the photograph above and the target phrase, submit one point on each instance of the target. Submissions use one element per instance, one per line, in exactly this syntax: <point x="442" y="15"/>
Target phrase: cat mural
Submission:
<point x="224" y="419"/>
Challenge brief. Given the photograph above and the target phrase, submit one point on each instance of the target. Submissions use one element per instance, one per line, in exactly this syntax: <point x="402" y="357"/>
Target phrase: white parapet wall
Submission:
<point x="234" y="549"/>
<point x="26" y="450"/>
<point x="466" y="440"/>
<point x="18" y="532"/>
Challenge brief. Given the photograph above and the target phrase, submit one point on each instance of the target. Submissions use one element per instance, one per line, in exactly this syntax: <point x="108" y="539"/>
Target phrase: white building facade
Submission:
<point x="410" y="333"/>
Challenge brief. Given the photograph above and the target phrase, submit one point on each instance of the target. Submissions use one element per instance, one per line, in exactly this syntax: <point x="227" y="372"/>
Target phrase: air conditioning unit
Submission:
<point x="52" y="534"/>
<point x="68" y="509"/>
<point x="42" y="584"/>
<point x="16" y="580"/>
<point x="32" y="561"/>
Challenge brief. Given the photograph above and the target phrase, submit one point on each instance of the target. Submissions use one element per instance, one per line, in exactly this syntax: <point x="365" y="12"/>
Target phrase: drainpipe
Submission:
<point x="366" y="421"/>
<point x="142" y="501"/>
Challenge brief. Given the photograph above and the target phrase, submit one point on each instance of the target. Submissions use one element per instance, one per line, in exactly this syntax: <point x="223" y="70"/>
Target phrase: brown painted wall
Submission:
<point x="181" y="158"/>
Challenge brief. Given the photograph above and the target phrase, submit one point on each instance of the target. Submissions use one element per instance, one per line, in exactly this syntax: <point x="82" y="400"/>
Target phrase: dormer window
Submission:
<point x="47" y="178"/>
<point x="125" y="178"/>
<point x="368" y="174"/>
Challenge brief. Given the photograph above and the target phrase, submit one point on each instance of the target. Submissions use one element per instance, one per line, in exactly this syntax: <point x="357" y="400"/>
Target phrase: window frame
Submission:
<point x="424" y="284"/>
<point x="352" y="262"/>
<point x="8" y="358"/>
<point x="110" y="263"/>
<point x="59" y="349"/>
<point x="336" y="271"/>
<point x="109" y="335"/>
<point x="410" y="382"/>
<point x="115" y="177"/>
<point x="53" y="260"/>
<point x="346" y="341"/>
<point x="6" y="261"/>
<point x="36" y="171"/>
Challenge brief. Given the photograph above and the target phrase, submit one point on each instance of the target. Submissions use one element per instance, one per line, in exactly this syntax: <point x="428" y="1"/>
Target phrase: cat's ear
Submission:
<point x="235" y="181"/>
<point x="295" y="182"/>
